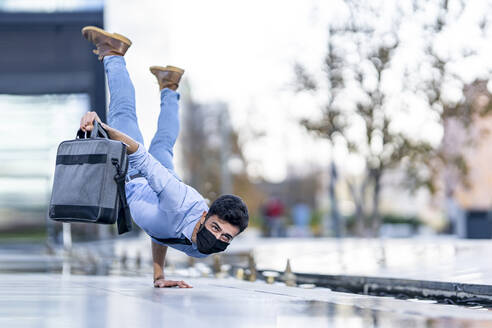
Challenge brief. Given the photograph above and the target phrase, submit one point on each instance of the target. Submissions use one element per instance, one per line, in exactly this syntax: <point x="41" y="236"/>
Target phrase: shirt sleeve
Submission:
<point x="171" y="191"/>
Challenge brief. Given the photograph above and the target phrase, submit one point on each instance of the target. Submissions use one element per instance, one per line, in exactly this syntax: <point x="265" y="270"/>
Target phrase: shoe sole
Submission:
<point x="116" y="36"/>
<point x="167" y="68"/>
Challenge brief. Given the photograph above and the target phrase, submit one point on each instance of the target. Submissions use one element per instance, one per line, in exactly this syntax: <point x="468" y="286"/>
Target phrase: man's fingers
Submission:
<point x="94" y="117"/>
<point x="183" y="284"/>
<point x="165" y="283"/>
<point x="86" y="122"/>
<point x="88" y="117"/>
<point x="171" y="283"/>
<point x="86" y="127"/>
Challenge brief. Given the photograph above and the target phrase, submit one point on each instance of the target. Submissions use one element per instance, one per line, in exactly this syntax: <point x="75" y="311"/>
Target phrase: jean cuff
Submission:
<point x="166" y="92"/>
<point x="108" y="60"/>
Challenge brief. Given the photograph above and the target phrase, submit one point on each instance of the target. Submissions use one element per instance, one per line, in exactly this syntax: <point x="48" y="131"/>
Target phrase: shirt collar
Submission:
<point x="188" y="231"/>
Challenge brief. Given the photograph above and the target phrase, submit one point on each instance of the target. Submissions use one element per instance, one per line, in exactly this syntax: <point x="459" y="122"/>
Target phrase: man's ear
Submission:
<point x="202" y="219"/>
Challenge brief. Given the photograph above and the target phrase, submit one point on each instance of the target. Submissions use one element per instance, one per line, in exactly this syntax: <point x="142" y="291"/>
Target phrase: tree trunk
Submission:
<point x="376" y="216"/>
<point x="335" y="216"/>
<point x="358" y="196"/>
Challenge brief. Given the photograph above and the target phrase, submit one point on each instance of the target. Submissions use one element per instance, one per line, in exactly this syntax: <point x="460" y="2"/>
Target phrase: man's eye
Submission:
<point x="215" y="228"/>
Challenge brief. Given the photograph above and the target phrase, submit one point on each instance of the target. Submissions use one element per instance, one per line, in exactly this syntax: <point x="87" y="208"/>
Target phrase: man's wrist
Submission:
<point x="158" y="277"/>
<point x="132" y="147"/>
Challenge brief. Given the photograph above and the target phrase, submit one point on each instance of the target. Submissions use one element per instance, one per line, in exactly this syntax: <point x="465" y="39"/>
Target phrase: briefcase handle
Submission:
<point x="97" y="131"/>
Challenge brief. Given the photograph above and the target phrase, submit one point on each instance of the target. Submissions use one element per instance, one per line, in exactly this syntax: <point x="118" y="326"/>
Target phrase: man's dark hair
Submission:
<point x="232" y="209"/>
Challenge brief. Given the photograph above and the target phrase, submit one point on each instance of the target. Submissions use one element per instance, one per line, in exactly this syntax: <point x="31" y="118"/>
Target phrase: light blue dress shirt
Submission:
<point x="162" y="205"/>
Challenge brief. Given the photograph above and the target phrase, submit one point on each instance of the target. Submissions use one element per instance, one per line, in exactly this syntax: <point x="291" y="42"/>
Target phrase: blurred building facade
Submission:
<point x="468" y="201"/>
<point x="474" y="144"/>
<point x="48" y="79"/>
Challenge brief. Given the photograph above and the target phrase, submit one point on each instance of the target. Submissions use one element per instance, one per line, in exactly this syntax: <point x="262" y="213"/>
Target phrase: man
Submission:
<point x="169" y="211"/>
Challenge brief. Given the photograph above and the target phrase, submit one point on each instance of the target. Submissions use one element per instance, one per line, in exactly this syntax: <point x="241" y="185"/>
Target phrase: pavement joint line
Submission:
<point x="255" y="290"/>
<point x="105" y="289"/>
<point x="266" y="292"/>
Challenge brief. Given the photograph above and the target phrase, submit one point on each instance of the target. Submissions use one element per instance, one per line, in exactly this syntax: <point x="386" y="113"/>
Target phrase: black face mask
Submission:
<point x="207" y="243"/>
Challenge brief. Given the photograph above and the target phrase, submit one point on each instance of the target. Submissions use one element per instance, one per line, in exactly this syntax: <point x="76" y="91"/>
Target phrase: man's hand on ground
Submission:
<point x="162" y="283"/>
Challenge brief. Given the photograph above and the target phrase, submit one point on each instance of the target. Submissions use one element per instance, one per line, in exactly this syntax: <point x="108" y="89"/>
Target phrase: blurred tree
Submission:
<point x="357" y="67"/>
<point x="473" y="103"/>
<point x="212" y="153"/>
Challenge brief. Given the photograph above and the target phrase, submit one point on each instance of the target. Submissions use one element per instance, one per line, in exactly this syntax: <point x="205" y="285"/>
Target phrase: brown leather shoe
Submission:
<point x="107" y="43"/>
<point x="168" y="77"/>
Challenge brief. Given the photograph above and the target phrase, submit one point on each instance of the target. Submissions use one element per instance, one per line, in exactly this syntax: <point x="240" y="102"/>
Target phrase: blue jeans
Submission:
<point x="123" y="116"/>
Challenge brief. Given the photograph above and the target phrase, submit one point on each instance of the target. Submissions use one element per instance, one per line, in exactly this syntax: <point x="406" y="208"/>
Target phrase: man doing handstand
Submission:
<point x="169" y="211"/>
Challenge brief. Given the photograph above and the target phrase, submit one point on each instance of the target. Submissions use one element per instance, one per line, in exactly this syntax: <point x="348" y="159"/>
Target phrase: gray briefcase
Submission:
<point x="89" y="182"/>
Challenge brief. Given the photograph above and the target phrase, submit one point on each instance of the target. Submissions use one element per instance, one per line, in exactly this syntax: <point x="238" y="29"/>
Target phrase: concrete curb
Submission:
<point x="450" y="292"/>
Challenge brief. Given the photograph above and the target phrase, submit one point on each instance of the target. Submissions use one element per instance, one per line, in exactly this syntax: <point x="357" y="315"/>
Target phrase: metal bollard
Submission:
<point x="240" y="274"/>
<point x="270" y="276"/>
<point x="123" y="259"/>
<point x="138" y="260"/>
<point x="251" y="267"/>
<point x="216" y="266"/>
<point x="191" y="261"/>
<point x="289" y="277"/>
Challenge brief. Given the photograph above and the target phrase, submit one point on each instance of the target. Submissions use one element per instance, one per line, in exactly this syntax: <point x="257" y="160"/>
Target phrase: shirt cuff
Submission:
<point x="140" y="150"/>
<point x="137" y="160"/>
